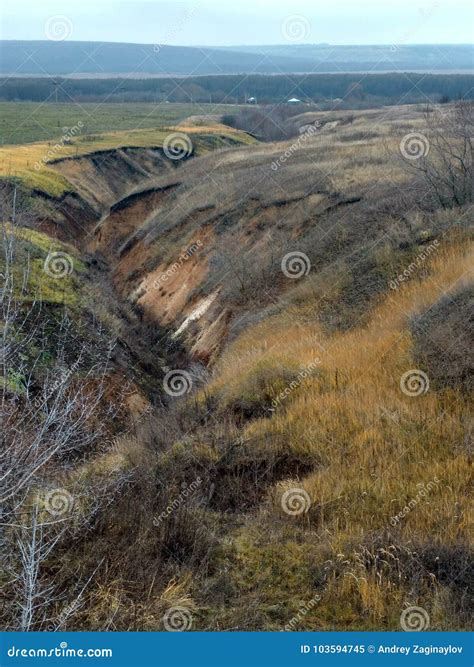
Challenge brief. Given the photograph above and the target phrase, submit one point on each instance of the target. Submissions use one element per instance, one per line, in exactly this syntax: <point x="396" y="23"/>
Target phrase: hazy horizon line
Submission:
<point x="230" y="46"/>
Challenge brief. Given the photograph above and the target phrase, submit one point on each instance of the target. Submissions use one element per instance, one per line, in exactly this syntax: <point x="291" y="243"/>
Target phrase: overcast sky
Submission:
<point x="226" y="22"/>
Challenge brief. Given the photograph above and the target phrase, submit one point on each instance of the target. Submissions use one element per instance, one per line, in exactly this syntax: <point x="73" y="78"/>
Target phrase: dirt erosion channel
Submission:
<point x="193" y="244"/>
<point x="117" y="194"/>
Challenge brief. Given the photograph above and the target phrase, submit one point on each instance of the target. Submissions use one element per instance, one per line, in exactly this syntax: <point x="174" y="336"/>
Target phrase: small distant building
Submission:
<point x="252" y="100"/>
<point x="294" y="100"/>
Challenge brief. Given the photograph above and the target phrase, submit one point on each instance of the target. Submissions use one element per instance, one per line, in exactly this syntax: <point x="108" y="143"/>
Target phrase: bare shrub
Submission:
<point x="446" y="162"/>
<point x="52" y="391"/>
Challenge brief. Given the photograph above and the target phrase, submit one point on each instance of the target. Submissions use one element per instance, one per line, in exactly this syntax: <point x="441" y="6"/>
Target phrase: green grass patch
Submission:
<point x="24" y="122"/>
<point x="32" y="163"/>
<point x="45" y="270"/>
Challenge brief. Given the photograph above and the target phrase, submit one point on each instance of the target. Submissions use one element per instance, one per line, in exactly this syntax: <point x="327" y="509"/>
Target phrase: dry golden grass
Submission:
<point x="21" y="161"/>
<point x="374" y="450"/>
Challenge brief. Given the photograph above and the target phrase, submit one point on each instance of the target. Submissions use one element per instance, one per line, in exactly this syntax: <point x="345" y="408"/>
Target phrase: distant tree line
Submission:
<point x="360" y="90"/>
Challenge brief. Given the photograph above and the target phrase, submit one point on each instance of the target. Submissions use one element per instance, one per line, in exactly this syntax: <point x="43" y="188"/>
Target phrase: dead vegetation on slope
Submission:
<point x="324" y="456"/>
<point x="351" y="207"/>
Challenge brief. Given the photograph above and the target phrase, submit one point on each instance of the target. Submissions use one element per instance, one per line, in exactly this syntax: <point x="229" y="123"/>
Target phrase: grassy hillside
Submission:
<point x="380" y="479"/>
<point x="320" y="389"/>
<point x="334" y="191"/>
<point x="296" y="318"/>
<point x="33" y="163"/>
<point x="29" y="122"/>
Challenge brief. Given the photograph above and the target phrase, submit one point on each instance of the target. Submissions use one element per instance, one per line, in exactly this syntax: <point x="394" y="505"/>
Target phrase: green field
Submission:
<point x="23" y="122"/>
